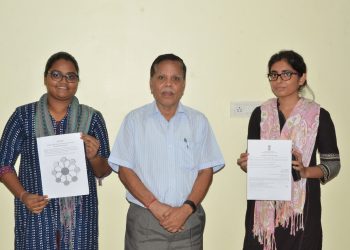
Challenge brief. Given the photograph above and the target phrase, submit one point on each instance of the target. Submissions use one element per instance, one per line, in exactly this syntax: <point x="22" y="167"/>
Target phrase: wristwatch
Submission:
<point x="193" y="206"/>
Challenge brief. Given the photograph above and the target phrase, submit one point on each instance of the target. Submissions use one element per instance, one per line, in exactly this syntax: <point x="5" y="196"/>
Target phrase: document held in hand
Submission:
<point x="63" y="165"/>
<point x="269" y="170"/>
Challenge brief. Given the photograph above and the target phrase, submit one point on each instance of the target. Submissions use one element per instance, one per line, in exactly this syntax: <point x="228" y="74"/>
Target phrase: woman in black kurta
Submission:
<point x="285" y="65"/>
<point x="311" y="236"/>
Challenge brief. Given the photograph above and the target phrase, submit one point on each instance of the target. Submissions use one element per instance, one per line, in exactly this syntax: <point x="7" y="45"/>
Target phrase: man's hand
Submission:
<point x="159" y="210"/>
<point x="175" y="218"/>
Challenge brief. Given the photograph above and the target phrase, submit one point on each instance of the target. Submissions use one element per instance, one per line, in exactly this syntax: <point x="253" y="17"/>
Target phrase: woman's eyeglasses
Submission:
<point x="285" y="76"/>
<point x="58" y="76"/>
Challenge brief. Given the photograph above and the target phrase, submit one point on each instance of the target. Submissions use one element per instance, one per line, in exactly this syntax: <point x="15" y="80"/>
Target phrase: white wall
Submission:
<point x="226" y="46"/>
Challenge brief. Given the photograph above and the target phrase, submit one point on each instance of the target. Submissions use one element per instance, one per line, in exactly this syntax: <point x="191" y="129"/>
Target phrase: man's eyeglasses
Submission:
<point x="58" y="76"/>
<point x="285" y="76"/>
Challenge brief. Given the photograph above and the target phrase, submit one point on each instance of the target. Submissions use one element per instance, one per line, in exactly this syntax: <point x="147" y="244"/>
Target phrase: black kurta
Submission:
<point x="311" y="237"/>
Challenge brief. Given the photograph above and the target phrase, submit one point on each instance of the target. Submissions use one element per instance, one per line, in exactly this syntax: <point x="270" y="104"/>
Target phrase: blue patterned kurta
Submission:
<point x="40" y="231"/>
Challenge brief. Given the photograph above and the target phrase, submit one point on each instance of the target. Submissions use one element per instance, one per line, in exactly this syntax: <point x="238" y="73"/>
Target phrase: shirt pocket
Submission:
<point x="185" y="149"/>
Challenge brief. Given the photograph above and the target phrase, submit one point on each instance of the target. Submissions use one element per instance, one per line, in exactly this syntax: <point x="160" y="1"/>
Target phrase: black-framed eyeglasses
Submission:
<point x="58" y="76"/>
<point x="285" y="76"/>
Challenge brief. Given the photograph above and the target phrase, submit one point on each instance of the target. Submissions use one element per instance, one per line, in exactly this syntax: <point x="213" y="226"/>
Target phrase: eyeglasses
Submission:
<point x="58" y="76"/>
<point x="285" y="76"/>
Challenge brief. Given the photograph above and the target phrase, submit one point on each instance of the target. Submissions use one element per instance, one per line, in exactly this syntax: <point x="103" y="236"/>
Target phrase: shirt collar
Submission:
<point x="154" y="109"/>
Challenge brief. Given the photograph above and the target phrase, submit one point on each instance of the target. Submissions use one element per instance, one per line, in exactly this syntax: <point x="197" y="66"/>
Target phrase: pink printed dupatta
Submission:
<point x="300" y="127"/>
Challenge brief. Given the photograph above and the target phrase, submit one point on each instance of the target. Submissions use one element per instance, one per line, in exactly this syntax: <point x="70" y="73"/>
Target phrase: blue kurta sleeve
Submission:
<point x="99" y="131"/>
<point x="10" y="144"/>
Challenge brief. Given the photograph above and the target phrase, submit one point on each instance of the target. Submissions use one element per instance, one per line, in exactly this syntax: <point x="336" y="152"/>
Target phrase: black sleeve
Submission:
<point x="254" y="124"/>
<point x="326" y="142"/>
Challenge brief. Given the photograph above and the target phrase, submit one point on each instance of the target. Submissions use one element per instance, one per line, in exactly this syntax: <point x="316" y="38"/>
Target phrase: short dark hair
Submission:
<point x="58" y="56"/>
<point x="295" y="60"/>
<point x="170" y="57"/>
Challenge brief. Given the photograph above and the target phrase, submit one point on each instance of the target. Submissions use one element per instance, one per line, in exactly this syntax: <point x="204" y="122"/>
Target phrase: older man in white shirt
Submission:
<point x="166" y="154"/>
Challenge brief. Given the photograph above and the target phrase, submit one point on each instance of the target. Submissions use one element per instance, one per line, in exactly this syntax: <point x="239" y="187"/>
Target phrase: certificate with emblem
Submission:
<point x="269" y="174"/>
<point x="63" y="165"/>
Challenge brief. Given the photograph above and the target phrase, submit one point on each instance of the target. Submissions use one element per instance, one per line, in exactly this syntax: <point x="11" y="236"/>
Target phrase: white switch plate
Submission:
<point x="243" y="109"/>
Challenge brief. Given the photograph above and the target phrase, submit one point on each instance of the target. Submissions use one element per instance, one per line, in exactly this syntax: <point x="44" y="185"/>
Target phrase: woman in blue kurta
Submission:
<point x="41" y="222"/>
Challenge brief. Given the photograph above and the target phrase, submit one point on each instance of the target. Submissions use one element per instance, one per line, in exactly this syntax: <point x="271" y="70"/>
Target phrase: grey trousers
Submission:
<point x="143" y="232"/>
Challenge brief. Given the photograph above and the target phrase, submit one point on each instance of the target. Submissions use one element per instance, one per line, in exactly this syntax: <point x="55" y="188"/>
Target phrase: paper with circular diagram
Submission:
<point x="63" y="165"/>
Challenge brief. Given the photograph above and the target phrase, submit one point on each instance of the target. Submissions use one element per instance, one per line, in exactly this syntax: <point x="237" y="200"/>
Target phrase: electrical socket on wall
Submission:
<point x="243" y="109"/>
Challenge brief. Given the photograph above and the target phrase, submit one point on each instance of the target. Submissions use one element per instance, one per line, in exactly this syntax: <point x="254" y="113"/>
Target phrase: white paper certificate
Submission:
<point x="63" y="165"/>
<point x="269" y="174"/>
